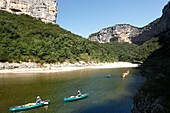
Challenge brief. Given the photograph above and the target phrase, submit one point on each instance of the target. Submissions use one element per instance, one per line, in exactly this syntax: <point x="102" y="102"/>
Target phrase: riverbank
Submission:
<point x="53" y="68"/>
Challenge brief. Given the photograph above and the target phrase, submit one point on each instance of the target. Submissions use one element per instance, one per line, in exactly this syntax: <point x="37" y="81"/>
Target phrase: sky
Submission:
<point x="84" y="17"/>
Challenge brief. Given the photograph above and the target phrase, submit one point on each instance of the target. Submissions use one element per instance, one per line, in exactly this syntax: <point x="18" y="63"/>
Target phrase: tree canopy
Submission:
<point x="24" y="38"/>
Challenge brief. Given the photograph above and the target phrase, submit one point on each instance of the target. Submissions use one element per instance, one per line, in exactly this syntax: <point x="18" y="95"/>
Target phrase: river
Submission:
<point x="106" y="95"/>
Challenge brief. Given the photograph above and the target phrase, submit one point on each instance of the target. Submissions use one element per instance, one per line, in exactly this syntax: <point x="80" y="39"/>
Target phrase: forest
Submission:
<point x="24" y="38"/>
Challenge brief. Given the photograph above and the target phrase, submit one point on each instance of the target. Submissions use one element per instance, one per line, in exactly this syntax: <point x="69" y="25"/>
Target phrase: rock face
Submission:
<point x="151" y="98"/>
<point x="125" y="33"/>
<point x="131" y="34"/>
<point x="164" y="23"/>
<point x="46" y="10"/>
<point x="120" y="33"/>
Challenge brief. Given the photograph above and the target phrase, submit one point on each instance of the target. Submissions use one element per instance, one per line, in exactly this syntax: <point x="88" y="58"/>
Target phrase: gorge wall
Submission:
<point x="46" y="10"/>
<point x="129" y="33"/>
<point x="153" y="96"/>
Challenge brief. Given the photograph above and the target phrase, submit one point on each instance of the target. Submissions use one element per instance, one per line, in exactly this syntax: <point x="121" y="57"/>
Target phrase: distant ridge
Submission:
<point x="129" y="33"/>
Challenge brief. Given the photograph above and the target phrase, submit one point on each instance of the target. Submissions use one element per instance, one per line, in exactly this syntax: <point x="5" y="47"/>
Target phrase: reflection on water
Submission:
<point x="106" y="95"/>
<point x="46" y="107"/>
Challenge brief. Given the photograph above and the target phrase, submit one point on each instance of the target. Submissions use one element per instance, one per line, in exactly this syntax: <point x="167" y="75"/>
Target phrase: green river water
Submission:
<point x="106" y="95"/>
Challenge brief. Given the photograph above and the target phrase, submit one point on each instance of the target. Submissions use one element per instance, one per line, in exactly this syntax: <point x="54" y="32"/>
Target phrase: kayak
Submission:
<point x="108" y="76"/>
<point x="72" y="98"/>
<point x="125" y="74"/>
<point x="29" y="106"/>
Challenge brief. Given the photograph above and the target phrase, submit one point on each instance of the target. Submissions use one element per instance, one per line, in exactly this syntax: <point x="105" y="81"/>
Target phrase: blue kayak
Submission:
<point x="29" y="106"/>
<point x="72" y="98"/>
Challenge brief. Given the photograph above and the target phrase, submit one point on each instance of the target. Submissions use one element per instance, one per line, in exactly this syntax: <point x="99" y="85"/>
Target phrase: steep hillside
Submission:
<point x="153" y="96"/>
<point x="24" y="38"/>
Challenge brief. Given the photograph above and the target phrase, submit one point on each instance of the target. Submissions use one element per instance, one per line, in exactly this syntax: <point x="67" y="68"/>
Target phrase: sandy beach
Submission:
<point x="70" y="67"/>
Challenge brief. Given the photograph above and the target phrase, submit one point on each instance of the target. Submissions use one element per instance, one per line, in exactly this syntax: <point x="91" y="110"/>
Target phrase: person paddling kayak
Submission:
<point x="79" y="93"/>
<point x="38" y="100"/>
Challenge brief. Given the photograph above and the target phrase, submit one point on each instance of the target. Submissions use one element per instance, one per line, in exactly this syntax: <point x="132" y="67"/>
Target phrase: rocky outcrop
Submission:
<point x="125" y="33"/>
<point x="120" y="33"/>
<point x="46" y="10"/>
<point x="129" y="33"/>
<point x="31" y="65"/>
<point x="164" y="23"/>
<point x="18" y="65"/>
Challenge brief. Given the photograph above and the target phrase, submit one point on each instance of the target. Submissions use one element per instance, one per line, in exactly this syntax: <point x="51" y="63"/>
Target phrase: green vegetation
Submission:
<point x="122" y="51"/>
<point x="24" y="38"/>
<point x="146" y="49"/>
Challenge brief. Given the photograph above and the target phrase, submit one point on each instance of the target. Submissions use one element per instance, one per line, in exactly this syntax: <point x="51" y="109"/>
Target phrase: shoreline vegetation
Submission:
<point x="25" y="67"/>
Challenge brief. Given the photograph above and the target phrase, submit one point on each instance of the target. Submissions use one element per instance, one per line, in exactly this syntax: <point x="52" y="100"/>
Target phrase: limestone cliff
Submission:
<point x="120" y="32"/>
<point x="128" y="33"/>
<point x="46" y="10"/>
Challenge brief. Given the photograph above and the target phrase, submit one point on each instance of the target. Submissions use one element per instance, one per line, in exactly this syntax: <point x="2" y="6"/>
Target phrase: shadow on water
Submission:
<point x="117" y="103"/>
<point x="112" y="106"/>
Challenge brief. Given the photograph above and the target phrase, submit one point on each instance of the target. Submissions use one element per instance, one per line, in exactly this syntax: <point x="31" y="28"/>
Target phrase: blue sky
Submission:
<point x="84" y="17"/>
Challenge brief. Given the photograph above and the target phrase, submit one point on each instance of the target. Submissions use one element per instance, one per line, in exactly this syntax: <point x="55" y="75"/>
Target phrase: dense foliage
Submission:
<point x="146" y="49"/>
<point x="24" y="38"/>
